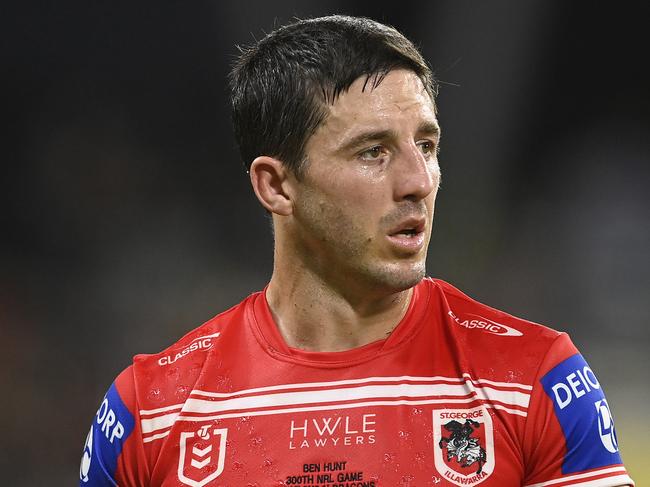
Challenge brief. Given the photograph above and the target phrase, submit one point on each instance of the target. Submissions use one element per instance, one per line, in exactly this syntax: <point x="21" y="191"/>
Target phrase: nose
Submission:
<point x="416" y="175"/>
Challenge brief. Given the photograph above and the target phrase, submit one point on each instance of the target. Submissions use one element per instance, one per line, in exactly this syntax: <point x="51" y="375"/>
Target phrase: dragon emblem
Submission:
<point x="461" y="446"/>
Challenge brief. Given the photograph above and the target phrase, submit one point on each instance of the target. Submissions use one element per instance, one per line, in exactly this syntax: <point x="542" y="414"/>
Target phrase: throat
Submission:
<point x="321" y="321"/>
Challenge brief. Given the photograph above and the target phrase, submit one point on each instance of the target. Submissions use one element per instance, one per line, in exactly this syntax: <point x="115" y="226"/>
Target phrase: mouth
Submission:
<point x="408" y="232"/>
<point x="408" y="235"/>
<point x="410" y="227"/>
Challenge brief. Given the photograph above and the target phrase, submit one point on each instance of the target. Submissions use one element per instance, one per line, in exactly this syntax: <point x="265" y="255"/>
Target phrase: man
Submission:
<point x="351" y="369"/>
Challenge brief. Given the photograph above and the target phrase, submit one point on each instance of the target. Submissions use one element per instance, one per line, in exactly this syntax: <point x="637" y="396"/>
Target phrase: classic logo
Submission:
<point x="199" y="452"/>
<point x="471" y="321"/>
<point x="463" y="445"/>
<point x="200" y="343"/>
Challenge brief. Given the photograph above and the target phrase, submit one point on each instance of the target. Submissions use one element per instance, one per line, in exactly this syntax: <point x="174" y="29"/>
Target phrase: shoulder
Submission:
<point x="200" y="339"/>
<point x="168" y="377"/>
<point x="495" y="343"/>
<point x="476" y="318"/>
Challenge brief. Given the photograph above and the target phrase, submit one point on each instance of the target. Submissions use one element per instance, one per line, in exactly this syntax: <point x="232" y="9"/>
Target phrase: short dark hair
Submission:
<point x="281" y="85"/>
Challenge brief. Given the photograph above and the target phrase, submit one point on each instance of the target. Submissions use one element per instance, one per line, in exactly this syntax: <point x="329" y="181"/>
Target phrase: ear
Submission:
<point x="269" y="178"/>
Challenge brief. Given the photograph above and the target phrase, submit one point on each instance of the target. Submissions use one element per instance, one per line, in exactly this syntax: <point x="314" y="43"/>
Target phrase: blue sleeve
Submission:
<point x="584" y="416"/>
<point x="112" y="425"/>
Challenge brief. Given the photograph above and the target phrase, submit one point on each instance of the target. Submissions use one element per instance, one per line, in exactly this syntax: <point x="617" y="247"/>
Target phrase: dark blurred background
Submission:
<point x="127" y="218"/>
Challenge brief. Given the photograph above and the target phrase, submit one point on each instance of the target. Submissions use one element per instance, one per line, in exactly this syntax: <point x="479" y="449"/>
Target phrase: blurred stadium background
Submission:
<point x="127" y="219"/>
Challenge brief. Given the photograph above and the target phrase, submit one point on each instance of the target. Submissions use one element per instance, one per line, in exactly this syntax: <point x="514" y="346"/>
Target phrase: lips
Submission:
<point x="409" y="227"/>
<point x="408" y="235"/>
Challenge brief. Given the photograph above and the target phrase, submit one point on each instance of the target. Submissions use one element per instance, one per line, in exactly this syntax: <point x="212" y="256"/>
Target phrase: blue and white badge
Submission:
<point x="584" y="415"/>
<point x="112" y="426"/>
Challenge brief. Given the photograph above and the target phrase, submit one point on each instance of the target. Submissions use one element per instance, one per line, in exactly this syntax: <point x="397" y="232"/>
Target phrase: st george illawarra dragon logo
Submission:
<point x="463" y="445"/>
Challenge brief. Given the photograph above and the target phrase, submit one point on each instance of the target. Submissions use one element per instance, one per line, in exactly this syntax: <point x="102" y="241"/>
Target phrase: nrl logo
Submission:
<point x="198" y="453"/>
<point x="463" y="445"/>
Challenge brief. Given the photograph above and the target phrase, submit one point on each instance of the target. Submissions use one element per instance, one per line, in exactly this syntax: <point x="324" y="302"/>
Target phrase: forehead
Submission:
<point x="400" y="100"/>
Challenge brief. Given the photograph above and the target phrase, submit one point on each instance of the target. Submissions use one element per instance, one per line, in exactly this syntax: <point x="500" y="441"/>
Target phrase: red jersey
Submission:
<point x="458" y="394"/>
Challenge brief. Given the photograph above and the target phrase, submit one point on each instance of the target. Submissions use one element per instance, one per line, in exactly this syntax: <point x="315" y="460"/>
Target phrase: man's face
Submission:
<point x="364" y="206"/>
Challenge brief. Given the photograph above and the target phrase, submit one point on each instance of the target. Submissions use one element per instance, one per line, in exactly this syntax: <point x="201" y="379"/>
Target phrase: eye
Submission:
<point x="428" y="147"/>
<point x="372" y="154"/>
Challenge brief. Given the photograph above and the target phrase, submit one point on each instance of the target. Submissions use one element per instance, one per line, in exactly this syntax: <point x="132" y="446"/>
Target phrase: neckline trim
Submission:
<point x="263" y="325"/>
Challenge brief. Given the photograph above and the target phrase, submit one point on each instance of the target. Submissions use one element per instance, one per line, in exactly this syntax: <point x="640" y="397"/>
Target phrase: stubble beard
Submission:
<point x="393" y="277"/>
<point x="340" y="252"/>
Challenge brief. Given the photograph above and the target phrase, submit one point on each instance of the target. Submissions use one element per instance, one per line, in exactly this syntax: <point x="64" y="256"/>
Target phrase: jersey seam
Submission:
<point x="536" y="379"/>
<point x="139" y="422"/>
<point x="335" y="365"/>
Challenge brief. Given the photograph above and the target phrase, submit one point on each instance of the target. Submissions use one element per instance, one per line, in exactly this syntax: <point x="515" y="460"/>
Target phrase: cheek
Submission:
<point x="436" y="177"/>
<point x="361" y="208"/>
<point x="359" y="194"/>
<point x="347" y="199"/>
<point x="345" y="218"/>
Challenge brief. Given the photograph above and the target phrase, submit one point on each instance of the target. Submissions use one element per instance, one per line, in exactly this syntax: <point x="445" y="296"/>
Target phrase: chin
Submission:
<point x="400" y="279"/>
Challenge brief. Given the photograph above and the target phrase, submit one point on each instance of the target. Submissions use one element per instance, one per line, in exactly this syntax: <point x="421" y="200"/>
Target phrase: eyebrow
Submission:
<point x="365" y="137"/>
<point x="429" y="128"/>
<point x="426" y="128"/>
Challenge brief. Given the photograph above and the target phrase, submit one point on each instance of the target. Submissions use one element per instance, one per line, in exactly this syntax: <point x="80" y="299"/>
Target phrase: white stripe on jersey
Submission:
<point x="309" y="385"/>
<point x="287" y="398"/>
<point x="584" y="482"/>
<point x="166" y="422"/>
<point x="500" y="384"/>
<point x="512" y="398"/>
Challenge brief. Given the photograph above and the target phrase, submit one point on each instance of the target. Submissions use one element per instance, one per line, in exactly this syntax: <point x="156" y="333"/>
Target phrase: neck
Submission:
<point x="313" y="315"/>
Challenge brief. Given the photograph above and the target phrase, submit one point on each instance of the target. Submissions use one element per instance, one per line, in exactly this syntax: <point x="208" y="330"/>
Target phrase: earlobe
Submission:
<point x="269" y="180"/>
